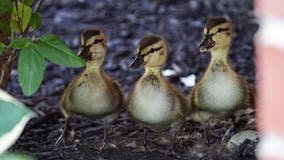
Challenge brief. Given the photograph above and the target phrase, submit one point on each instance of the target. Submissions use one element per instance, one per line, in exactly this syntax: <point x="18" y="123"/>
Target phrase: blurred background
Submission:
<point x="125" y="22"/>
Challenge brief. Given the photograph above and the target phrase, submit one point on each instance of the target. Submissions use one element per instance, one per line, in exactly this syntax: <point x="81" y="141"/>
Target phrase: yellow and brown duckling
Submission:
<point x="92" y="94"/>
<point x="221" y="91"/>
<point x="154" y="102"/>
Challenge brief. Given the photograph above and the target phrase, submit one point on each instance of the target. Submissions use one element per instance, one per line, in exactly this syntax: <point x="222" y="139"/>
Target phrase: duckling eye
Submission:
<point x="222" y="30"/>
<point x="98" y="41"/>
<point x="151" y="50"/>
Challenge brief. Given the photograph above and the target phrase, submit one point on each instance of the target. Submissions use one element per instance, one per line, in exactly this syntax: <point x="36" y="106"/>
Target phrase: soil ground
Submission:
<point x="125" y="22"/>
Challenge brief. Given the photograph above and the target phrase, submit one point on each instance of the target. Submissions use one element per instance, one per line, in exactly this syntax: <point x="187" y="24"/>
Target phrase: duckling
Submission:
<point x="221" y="91"/>
<point x="93" y="94"/>
<point x="153" y="102"/>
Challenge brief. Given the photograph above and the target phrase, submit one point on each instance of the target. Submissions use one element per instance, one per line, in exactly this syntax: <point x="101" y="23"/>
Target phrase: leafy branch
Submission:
<point x="31" y="51"/>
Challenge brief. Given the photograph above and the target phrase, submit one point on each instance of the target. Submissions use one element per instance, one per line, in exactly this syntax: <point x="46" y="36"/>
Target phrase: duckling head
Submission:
<point x="151" y="51"/>
<point x="217" y="34"/>
<point x="93" y="45"/>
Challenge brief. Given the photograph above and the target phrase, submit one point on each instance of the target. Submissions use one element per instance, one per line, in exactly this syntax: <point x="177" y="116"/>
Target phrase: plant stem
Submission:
<point x="6" y="69"/>
<point x="7" y="59"/>
<point x="38" y="6"/>
<point x="16" y="5"/>
<point x="4" y="58"/>
<point x="22" y="19"/>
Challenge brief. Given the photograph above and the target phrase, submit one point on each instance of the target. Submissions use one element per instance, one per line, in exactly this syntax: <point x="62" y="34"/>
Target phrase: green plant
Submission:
<point x="14" y="116"/>
<point x="17" y="18"/>
<point x="16" y="156"/>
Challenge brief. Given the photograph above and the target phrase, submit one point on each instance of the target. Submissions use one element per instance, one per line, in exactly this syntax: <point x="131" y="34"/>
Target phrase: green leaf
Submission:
<point x="30" y="69"/>
<point x="14" y="116"/>
<point x="52" y="48"/>
<point x="20" y="43"/>
<point x="28" y="2"/>
<point x="6" y="6"/>
<point x="16" y="156"/>
<point x="17" y="17"/>
<point x="2" y="47"/>
<point x="35" y="20"/>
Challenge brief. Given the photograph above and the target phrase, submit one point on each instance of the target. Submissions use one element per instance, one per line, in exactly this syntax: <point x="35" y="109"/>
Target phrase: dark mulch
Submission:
<point x="125" y="22"/>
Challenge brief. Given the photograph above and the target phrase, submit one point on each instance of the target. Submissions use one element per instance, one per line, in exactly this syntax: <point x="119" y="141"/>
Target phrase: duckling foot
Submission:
<point x="105" y="139"/>
<point x="64" y="135"/>
<point x="145" y="141"/>
<point x="101" y="146"/>
<point x="227" y="133"/>
<point x="61" y="139"/>
<point x="170" y="150"/>
<point x="205" y="134"/>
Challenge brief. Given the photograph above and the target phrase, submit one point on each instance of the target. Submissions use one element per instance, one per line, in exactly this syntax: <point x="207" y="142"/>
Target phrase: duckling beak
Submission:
<point x="207" y="43"/>
<point x="83" y="52"/>
<point x="137" y="62"/>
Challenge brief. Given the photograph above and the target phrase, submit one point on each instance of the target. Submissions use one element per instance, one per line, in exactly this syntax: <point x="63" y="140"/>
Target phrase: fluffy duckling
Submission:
<point x="92" y="94"/>
<point x="221" y="91"/>
<point x="154" y="102"/>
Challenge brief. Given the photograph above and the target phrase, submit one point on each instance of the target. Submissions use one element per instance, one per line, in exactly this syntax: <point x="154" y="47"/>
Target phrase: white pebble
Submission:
<point x="188" y="81"/>
<point x="169" y="72"/>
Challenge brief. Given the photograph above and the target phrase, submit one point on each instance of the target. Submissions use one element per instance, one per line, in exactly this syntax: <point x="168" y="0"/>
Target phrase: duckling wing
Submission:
<point x="64" y="100"/>
<point x="116" y="91"/>
<point x="180" y="103"/>
<point x="191" y="98"/>
<point x="250" y="93"/>
<point x="195" y="100"/>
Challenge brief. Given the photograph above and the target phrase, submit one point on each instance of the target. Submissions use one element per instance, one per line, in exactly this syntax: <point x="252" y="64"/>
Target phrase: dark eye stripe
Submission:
<point x="98" y="41"/>
<point x="222" y="30"/>
<point x="218" y="31"/>
<point x="84" y="54"/>
<point x="152" y="50"/>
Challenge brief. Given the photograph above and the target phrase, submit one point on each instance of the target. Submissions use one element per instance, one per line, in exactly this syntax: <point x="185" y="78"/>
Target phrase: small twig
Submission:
<point x="22" y="19"/>
<point x="11" y="58"/>
<point x="16" y="3"/>
<point x="38" y="6"/>
<point x="6" y="68"/>
<point x="12" y="34"/>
